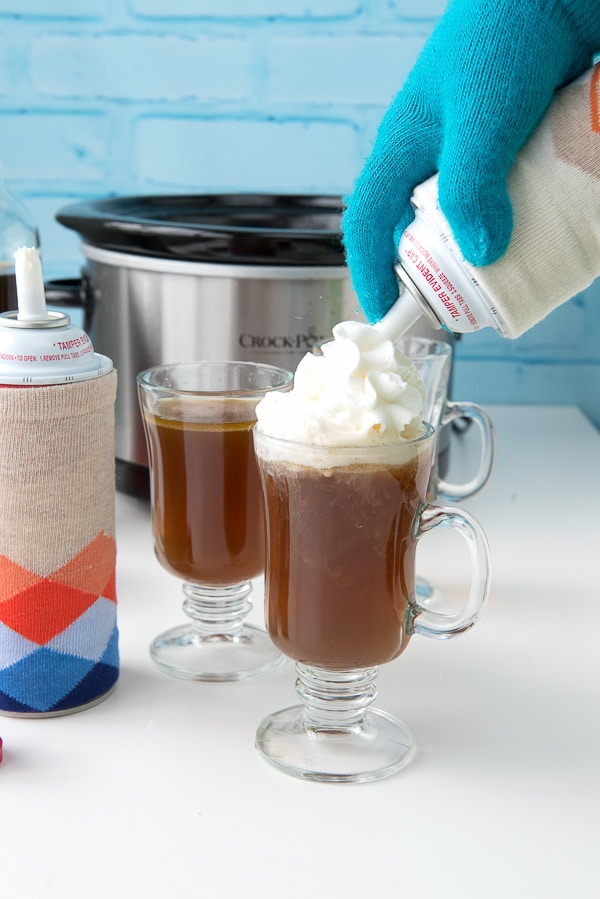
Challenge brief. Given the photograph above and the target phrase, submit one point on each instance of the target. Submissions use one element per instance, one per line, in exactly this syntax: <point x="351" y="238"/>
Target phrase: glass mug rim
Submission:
<point x="346" y="449"/>
<point x="149" y="378"/>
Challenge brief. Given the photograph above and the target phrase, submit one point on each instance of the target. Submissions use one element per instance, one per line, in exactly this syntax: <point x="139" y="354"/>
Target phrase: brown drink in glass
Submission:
<point x="208" y="518"/>
<point x="341" y="572"/>
<point x="208" y="511"/>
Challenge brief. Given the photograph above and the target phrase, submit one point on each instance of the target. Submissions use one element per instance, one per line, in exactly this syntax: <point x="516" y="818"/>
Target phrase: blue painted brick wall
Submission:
<point x="103" y="97"/>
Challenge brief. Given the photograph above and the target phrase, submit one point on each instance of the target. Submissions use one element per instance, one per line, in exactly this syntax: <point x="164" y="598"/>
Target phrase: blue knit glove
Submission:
<point x="479" y="88"/>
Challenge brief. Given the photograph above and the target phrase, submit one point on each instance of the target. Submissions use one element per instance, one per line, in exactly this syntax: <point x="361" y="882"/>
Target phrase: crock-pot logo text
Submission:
<point x="295" y="342"/>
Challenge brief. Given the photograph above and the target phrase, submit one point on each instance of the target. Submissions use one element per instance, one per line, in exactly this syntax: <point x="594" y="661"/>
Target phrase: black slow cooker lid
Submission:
<point x="250" y="229"/>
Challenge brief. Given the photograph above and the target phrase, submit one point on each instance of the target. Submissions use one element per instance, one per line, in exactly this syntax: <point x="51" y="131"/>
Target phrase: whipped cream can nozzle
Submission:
<point x="405" y="312"/>
<point x="38" y="346"/>
<point x="31" y="297"/>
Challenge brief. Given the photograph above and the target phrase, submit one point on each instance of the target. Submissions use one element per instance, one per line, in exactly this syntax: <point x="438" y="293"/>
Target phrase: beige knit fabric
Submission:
<point x="554" y="186"/>
<point x="555" y="191"/>
<point x="56" y="470"/>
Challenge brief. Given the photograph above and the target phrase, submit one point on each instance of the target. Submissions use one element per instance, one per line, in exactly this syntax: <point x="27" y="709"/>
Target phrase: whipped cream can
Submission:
<point x="58" y="627"/>
<point x="554" y="189"/>
<point x="436" y="278"/>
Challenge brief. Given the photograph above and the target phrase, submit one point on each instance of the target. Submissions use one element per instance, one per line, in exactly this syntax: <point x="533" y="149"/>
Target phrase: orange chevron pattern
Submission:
<point x="58" y="633"/>
<point x="38" y="608"/>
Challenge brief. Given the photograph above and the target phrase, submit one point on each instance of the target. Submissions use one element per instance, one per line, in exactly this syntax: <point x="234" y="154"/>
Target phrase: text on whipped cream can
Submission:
<point x="432" y="270"/>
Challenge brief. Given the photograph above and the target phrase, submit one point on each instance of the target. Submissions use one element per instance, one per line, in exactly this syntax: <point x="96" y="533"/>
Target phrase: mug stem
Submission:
<point x="216" y="644"/>
<point x="217" y="610"/>
<point x="335" y="700"/>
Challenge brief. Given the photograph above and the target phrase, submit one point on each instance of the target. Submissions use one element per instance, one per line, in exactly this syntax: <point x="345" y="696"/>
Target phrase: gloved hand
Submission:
<point x="479" y="88"/>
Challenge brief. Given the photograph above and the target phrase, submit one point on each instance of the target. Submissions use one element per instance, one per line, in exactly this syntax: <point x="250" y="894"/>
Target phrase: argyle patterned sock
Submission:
<point x="58" y="628"/>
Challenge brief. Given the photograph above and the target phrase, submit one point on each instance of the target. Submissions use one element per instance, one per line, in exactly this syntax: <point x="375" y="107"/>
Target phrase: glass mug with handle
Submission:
<point x="342" y="531"/>
<point x="207" y="511"/>
<point x="433" y="360"/>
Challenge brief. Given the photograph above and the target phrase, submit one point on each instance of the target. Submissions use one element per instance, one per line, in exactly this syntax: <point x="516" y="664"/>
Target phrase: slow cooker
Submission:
<point x="253" y="277"/>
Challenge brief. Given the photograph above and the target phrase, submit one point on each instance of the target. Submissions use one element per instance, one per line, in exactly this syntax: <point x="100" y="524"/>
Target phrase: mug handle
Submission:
<point x="431" y="623"/>
<point x="472" y="412"/>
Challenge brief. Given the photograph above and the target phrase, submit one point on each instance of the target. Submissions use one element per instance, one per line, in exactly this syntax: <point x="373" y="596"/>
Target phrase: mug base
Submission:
<point x="182" y="652"/>
<point x="377" y="747"/>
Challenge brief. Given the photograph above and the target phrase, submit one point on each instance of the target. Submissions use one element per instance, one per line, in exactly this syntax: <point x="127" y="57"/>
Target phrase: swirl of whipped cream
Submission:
<point x="362" y="391"/>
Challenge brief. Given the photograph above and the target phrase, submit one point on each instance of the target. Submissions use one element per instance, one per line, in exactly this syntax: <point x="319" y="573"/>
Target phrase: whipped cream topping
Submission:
<point x="362" y="391"/>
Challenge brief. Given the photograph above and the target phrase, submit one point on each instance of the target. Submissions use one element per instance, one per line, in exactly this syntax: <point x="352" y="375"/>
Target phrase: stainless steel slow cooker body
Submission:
<point x="178" y="278"/>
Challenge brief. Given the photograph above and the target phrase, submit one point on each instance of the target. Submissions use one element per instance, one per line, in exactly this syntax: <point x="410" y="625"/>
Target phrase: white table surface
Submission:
<point x="159" y="792"/>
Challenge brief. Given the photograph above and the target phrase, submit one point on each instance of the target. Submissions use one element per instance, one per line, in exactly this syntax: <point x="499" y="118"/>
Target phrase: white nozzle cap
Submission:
<point x="403" y="315"/>
<point x="30" y="286"/>
<point x="41" y="347"/>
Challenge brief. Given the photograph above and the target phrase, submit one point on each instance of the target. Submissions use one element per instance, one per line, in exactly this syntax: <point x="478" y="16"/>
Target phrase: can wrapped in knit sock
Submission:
<point x="58" y="629"/>
<point x="58" y="616"/>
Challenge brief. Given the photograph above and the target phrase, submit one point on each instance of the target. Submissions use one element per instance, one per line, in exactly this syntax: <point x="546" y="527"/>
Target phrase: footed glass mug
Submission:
<point x="342" y="531"/>
<point x="207" y="511"/>
<point x="433" y="361"/>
